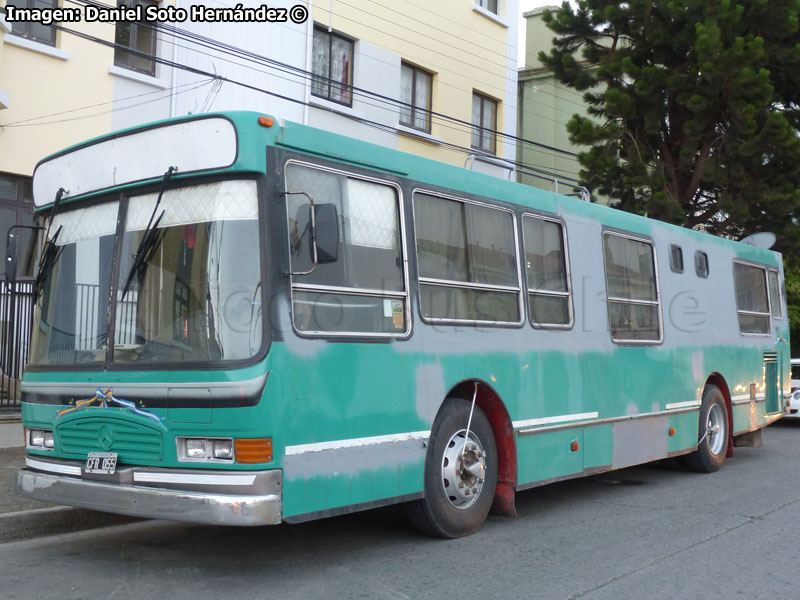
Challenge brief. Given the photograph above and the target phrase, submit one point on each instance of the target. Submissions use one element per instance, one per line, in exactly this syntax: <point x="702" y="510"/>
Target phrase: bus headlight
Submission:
<point x="39" y="439"/>
<point x="205" y="449"/>
<point x="195" y="448"/>
<point x="223" y="449"/>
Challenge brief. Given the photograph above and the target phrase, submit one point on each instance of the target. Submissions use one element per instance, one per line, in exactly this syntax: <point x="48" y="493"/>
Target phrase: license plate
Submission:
<point x="101" y="462"/>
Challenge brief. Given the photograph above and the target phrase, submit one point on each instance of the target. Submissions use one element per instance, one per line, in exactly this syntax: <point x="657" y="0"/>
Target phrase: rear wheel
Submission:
<point x="713" y="433"/>
<point x="460" y="473"/>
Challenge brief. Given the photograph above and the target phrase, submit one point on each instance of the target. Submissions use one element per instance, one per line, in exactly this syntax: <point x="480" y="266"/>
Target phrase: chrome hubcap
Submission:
<point x="463" y="476"/>
<point x="715" y="429"/>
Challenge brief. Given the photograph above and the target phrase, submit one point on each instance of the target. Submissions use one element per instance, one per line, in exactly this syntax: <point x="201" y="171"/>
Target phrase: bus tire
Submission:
<point x="458" y="492"/>
<point x="712" y="434"/>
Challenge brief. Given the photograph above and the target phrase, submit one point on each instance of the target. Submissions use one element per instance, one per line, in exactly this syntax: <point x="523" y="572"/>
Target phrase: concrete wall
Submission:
<point x="281" y="42"/>
<point x="546" y="106"/>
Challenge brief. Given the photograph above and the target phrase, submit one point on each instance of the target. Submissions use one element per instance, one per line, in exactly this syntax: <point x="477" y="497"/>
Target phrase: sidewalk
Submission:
<point x="21" y="518"/>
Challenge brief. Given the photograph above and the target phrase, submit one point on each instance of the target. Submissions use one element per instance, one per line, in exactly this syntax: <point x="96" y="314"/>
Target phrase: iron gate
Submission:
<point x="16" y="304"/>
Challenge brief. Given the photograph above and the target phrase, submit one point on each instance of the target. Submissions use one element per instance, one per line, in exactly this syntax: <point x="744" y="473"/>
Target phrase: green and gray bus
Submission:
<point x="246" y="321"/>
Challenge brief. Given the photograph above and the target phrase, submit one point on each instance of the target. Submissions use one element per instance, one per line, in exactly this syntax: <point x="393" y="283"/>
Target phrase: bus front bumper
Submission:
<point x="189" y="505"/>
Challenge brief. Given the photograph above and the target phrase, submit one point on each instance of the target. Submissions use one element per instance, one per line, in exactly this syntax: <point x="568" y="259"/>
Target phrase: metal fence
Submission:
<point x="16" y="304"/>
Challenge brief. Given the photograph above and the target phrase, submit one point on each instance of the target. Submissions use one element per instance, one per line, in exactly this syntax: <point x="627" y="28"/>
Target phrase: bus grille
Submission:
<point x="133" y="442"/>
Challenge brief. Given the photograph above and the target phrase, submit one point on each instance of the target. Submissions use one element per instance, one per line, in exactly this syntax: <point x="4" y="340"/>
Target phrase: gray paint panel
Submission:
<point x="639" y="441"/>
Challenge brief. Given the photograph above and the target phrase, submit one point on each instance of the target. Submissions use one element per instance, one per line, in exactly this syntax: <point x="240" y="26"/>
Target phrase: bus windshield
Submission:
<point x="195" y="298"/>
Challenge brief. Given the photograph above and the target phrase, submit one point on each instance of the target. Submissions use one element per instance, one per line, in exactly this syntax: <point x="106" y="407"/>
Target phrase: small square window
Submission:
<point x="701" y="264"/>
<point x="676" y="258"/>
<point x="136" y="42"/>
<point x="37" y="32"/>
<point x="490" y="5"/>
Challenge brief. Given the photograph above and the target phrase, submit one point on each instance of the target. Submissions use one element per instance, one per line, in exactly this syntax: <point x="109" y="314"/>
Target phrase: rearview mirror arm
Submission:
<point x="313" y="234"/>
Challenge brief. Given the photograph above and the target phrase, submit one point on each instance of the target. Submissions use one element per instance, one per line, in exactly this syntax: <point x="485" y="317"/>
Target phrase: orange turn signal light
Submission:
<point x="251" y="451"/>
<point x="574" y="446"/>
<point x="672" y="431"/>
<point x="266" y="121"/>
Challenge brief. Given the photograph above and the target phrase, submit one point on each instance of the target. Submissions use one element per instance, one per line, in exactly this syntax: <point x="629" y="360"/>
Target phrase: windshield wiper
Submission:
<point x="50" y="252"/>
<point x="150" y="241"/>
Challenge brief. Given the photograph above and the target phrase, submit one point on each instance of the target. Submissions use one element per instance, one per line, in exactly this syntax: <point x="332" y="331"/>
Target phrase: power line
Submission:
<point x="26" y="122"/>
<point x="201" y="72"/>
<point x="240" y="52"/>
<point x="290" y="69"/>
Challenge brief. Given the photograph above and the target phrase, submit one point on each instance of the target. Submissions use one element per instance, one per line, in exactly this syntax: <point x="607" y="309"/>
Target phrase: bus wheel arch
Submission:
<point x="489" y="401"/>
<point x="718" y="380"/>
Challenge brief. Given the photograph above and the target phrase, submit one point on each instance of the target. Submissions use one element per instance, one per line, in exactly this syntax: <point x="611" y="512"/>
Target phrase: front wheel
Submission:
<point x="460" y="473"/>
<point x="713" y="433"/>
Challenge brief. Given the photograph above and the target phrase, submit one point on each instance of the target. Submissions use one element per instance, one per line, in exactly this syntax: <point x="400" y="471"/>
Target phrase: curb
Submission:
<point x="43" y="522"/>
<point x="10" y="417"/>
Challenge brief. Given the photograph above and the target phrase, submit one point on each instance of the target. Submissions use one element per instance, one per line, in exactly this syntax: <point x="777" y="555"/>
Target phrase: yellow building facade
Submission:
<point x="467" y="47"/>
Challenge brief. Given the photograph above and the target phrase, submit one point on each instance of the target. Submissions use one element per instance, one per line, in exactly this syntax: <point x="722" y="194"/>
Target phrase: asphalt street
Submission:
<point x="645" y="532"/>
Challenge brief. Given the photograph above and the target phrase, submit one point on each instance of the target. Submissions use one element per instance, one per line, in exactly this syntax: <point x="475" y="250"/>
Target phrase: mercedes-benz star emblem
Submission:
<point x="106" y="437"/>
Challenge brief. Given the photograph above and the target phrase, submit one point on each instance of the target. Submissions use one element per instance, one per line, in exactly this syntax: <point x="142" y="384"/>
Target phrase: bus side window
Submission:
<point x="774" y="294"/>
<point x="549" y="297"/>
<point x="752" y="304"/>
<point x="467" y="260"/>
<point x="363" y="292"/>
<point x="676" y="258"/>
<point x="634" y="307"/>
<point x="701" y="264"/>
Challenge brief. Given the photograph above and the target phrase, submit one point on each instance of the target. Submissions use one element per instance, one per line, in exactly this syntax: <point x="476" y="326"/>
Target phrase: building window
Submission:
<point x="548" y="278"/>
<point x="484" y="119"/>
<point x="415" y="91"/>
<point x="752" y="304"/>
<point x="136" y="42"/>
<point x="44" y="34"/>
<point x="634" y="307"/>
<point x="490" y="5"/>
<point x="332" y="67"/>
<point x="467" y="261"/>
<point x="16" y="207"/>
<point x="676" y="258"/>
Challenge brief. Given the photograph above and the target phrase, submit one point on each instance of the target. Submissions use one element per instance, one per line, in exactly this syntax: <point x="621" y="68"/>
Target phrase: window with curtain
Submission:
<point x="363" y="292"/>
<point x="332" y="66"/>
<point x="415" y="92"/>
<point x="484" y="121"/>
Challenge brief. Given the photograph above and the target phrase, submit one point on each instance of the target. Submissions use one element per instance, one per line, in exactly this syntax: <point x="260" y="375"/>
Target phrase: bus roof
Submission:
<point x="204" y="144"/>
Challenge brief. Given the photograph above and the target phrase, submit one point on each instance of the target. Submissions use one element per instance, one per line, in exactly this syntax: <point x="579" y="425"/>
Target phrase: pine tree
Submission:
<point x="694" y="109"/>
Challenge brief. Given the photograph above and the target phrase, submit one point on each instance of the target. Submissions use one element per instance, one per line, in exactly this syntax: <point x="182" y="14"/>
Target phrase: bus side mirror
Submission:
<point x="15" y="240"/>
<point x="327" y="238"/>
